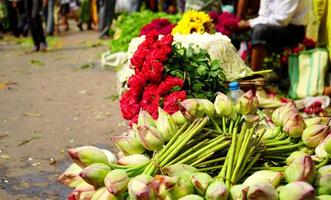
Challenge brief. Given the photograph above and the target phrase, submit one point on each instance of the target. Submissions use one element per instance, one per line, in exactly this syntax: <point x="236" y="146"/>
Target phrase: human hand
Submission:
<point x="243" y="25"/>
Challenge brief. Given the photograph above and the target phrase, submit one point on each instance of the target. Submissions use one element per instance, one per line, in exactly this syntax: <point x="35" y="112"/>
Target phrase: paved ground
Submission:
<point x="50" y="102"/>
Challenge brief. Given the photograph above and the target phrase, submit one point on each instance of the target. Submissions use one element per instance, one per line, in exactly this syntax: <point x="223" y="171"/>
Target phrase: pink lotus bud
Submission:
<point x="162" y="186"/>
<point x="323" y="197"/>
<point x="95" y="174"/>
<point x="201" y="181"/>
<point x="71" y="176"/>
<point x="182" y="187"/>
<point x="135" y="159"/>
<point x="217" y="191"/>
<point x="87" y="155"/>
<point x="247" y="103"/>
<point x="165" y="125"/>
<point x="191" y="197"/>
<point x="198" y="107"/>
<point x="223" y="105"/>
<point x="264" y="176"/>
<point x="82" y="191"/>
<point x="327" y="144"/>
<point x="281" y="114"/>
<point x="129" y="145"/>
<point x="144" y="118"/>
<point x="262" y="191"/>
<point x="103" y="194"/>
<point x="140" y="188"/>
<point x="178" y="118"/>
<point x="150" y="138"/>
<point x="239" y="192"/>
<point x="320" y="150"/>
<point x="323" y="180"/>
<point x="294" y="126"/>
<point x="295" y="156"/>
<point x="116" y="181"/>
<point x="314" y="134"/>
<point x="301" y="169"/>
<point x="317" y="120"/>
<point x="297" y="191"/>
<point x="178" y="169"/>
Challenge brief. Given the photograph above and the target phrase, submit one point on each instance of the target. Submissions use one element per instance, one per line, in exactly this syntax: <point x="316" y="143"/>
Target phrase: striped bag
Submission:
<point x="307" y="73"/>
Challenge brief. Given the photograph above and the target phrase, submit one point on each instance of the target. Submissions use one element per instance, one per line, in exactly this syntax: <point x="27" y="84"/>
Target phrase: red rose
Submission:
<point x="137" y="82"/>
<point x="168" y="84"/>
<point x="171" y="101"/>
<point x="166" y="40"/>
<point x="153" y="71"/>
<point x="129" y="105"/>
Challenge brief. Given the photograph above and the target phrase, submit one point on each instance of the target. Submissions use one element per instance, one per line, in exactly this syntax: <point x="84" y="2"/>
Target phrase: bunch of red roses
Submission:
<point x="225" y="22"/>
<point x="149" y="87"/>
<point x="162" y="26"/>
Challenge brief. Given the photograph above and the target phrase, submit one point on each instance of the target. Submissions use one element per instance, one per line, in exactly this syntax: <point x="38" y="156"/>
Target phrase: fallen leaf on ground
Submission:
<point x="112" y="97"/>
<point x="37" y="62"/>
<point x="86" y="66"/>
<point x="5" y="156"/>
<point x="34" y="137"/>
<point x="32" y="114"/>
<point x="4" y="135"/>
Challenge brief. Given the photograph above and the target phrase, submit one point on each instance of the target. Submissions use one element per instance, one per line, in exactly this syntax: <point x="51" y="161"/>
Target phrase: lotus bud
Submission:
<point x="314" y="134"/>
<point x="178" y="118"/>
<point x="140" y="188"/>
<point x="320" y="151"/>
<point x="281" y="114"/>
<point x="191" y="197"/>
<point x="297" y="191"/>
<point x="178" y="169"/>
<point x="103" y="194"/>
<point x="223" y="105"/>
<point x="129" y="145"/>
<point x="87" y="155"/>
<point x="162" y="185"/>
<point x="95" y="174"/>
<point x="301" y="169"/>
<point x="195" y="108"/>
<point x="150" y="138"/>
<point x="276" y="116"/>
<point x="294" y="126"/>
<point x="144" y="118"/>
<point x="264" y="176"/>
<point x="270" y="133"/>
<point x="295" y="156"/>
<point x="116" y="181"/>
<point x="327" y="144"/>
<point x="262" y="191"/>
<point x="201" y="182"/>
<point x="217" y="191"/>
<point x="307" y="150"/>
<point x="135" y="159"/>
<point x="247" y="103"/>
<point x="165" y="125"/>
<point x="317" y="120"/>
<point x="324" y="197"/>
<point x="239" y="192"/>
<point x="183" y="186"/>
<point x="82" y="191"/>
<point x="251" y="118"/>
<point x="111" y="157"/>
<point x="323" y="180"/>
<point x="71" y="176"/>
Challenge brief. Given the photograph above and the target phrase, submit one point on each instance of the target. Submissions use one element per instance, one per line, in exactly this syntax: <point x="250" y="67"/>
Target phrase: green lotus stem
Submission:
<point x="183" y="142"/>
<point x="247" y="158"/>
<point x="243" y="150"/>
<point x="282" y="148"/>
<point x="323" y="163"/>
<point x="224" y="124"/>
<point x="277" y="169"/>
<point x="275" y="157"/>
<point x="187" y="152"/>
<point x="221" y="175"/>
<point x="198" y="140"/>
<point x="231" y="154"/>
<point x="210" y="168"/>
<point x="259" y="72"/>
<point x="203" y="150"/>
<point x="202" y="158"/>
<point x="215" y="124"/>
<point x="252" y="162"/>
<point x="281" y="142"/>
<point x="231" y="126"/>
<point x="211" y="161"/>
<point x="240" y="140"/>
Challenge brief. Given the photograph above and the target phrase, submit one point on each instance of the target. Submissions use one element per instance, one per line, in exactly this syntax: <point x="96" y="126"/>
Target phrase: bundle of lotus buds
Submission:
<point x="209" y="150"/>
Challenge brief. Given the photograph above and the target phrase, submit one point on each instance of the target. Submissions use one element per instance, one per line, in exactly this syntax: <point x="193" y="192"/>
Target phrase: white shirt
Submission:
<point x="282" y="12"/>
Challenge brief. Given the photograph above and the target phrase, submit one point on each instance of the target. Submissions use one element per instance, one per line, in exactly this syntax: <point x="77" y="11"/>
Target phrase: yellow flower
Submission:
<point x="193" y="21"/>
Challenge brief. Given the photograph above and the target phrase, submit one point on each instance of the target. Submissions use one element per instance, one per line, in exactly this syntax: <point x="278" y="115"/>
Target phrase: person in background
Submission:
<point x="64" y="11"/>
<point x="280" y="23"/>
<point x="106" y="15"/>
<point x="50" y="5"/>
<point x="32" y="9"/>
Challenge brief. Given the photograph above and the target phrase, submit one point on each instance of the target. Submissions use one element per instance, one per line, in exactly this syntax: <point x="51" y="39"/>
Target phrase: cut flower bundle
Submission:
<point x="208" y="150"/>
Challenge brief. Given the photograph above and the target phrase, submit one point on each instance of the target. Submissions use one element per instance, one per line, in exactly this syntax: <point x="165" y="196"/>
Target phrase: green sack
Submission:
<point x="307" y="73"/>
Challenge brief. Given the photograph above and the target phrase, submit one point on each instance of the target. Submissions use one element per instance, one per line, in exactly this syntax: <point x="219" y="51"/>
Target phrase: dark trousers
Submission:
<point x="106" y="15"/>
<point x="33" y="8"/>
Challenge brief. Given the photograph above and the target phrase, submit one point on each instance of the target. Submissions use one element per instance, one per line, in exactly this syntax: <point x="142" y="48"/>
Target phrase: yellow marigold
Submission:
<point x="193" y="21"/>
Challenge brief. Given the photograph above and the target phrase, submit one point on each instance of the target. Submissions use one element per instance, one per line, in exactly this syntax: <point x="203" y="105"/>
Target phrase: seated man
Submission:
<point x="280" y="23"/>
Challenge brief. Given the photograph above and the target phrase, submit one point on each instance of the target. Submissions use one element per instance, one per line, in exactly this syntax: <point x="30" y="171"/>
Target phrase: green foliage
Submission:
<point x="130" y="25"/>
<point x="203" y="77"/>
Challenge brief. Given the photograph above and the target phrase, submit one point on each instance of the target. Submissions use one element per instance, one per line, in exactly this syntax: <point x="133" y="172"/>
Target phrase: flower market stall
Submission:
<point x="187" y="138"/>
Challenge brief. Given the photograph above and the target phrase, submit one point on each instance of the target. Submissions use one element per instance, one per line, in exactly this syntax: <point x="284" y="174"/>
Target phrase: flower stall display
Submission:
<point x="209" y="150"/>
<point x="225" y="22"/>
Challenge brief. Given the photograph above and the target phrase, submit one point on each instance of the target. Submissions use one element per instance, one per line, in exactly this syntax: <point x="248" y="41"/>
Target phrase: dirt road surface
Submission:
<point x="50" y="102"/>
